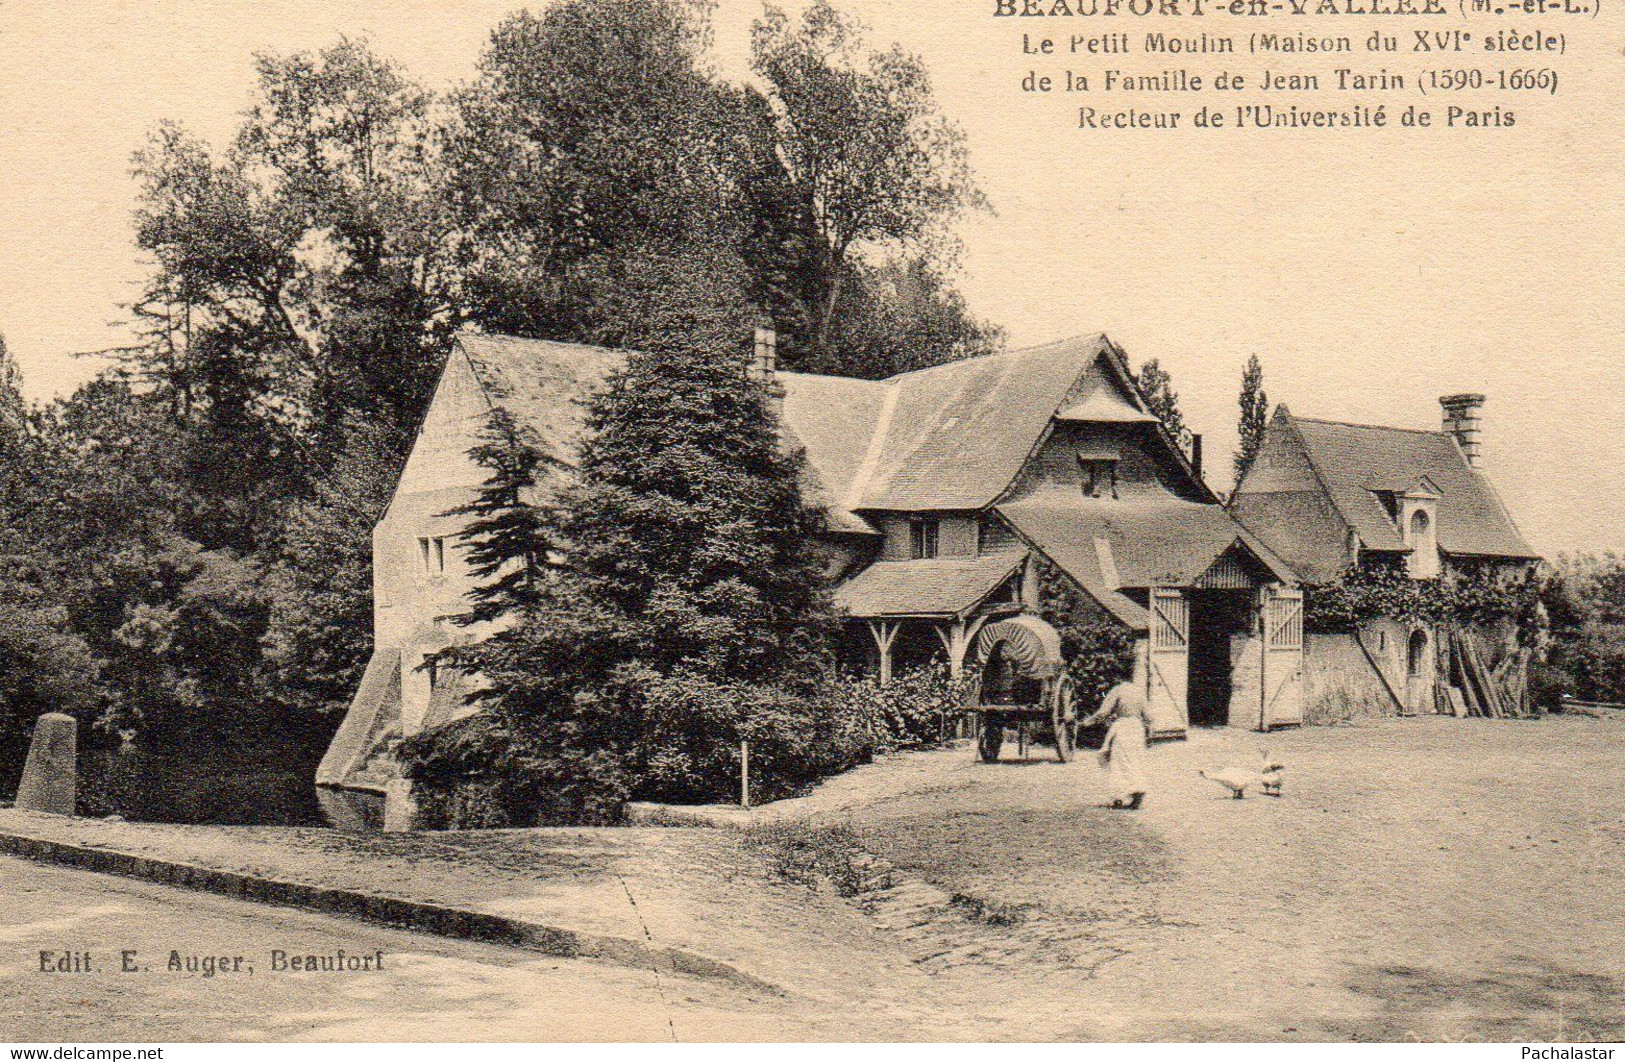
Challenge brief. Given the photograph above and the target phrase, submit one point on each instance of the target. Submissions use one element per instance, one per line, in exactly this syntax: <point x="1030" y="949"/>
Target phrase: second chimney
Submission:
<point x="1463" y="418"/>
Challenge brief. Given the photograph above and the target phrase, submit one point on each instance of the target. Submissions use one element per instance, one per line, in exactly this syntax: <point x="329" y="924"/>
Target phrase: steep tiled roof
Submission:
<point x="833" y="419"/>
<point x="958" y="433"/>
<point x="543" y="384"/>
<point x="946" y="586"/>
<point x="546" y="385"/>
<point x="1109" y="545"/>
<point x="1301" y="527"/>
<point x="1357" y="460"/>
<point x="949" y="437"/>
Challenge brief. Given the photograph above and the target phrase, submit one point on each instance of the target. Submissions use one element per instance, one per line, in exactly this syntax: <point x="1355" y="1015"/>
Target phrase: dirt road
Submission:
<point x="1427" y="878"/>
<point x="429" y="988"/>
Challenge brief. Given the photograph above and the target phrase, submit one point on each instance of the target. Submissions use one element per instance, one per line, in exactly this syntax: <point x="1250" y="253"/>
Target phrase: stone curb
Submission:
<point x="392" y="911"/>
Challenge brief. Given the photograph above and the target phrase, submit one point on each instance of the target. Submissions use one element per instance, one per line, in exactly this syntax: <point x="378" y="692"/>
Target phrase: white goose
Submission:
<point x="1268" y="776"/>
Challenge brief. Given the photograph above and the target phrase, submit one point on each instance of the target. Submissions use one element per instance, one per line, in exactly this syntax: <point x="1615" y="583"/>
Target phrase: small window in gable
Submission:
<point x="1099" y="475"/>
<point x="432" y="552"/>
<point x="922" y="535"/>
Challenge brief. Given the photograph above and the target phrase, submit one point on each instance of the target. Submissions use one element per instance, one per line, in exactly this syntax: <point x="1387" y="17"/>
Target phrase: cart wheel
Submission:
<point x="992" y="739"/>
<point x="1062" y="720"/>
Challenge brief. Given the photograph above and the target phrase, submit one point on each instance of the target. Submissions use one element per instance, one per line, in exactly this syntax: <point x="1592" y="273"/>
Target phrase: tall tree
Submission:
<point x="900" y="315"/>
<point x="868" y="157"/>
<point x="299" y="276"/>
<point x="592" y="130"/>
<point x="1255" y="414"/>
<point x="693" y="587"/>
<point x="689" y="514"/>
<point x="319" y="578"/>
<point x="349" y="148"/>
<point x="1156" y="386"/>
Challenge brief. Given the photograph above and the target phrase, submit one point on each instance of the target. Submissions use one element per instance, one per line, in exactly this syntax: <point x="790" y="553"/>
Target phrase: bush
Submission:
<point x="916" y="709"/>
<point x="1098" y="650"/>
<point x="1584" y="644"/>
<point x="693" y="727"/>
<point x="482" y="772"/>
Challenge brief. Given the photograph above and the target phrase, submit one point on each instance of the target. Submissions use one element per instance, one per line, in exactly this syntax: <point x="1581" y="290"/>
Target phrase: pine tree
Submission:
<point x="1255" y="412"/>
<point x="692" y="598"/>
<point x="509" y="536"/>
<point x="690" y="530"/>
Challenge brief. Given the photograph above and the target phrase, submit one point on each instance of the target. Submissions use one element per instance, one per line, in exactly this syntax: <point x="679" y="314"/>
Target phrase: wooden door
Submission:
<point x="1168" y="669"/>
<point x="1283" y="658"/>
<point x="1418" y="674"/>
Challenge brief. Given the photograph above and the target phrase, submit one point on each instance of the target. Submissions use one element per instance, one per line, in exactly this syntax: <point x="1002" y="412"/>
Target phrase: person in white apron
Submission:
<point x="1122" y="753"/>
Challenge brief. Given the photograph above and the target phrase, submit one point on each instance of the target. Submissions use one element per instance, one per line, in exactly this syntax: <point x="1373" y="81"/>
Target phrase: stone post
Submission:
<point x="50" y="775"/>
<point x="400" y="808"/>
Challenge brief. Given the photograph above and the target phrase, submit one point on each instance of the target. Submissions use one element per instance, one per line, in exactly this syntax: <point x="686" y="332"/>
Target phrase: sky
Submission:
<point x="1370" y="273"/>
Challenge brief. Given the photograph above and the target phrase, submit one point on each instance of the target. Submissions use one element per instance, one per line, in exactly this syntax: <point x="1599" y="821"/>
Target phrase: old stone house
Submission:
<point x="1326" y="495"/>
<point x="944" y="490"/>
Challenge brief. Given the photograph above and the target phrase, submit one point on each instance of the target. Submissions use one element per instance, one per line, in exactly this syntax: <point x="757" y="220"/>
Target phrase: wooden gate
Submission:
<point x="1283" y="658"/>
<point x="1168" y="669"/>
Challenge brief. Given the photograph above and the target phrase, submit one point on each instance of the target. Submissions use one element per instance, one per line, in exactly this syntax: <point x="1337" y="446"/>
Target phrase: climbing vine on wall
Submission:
<point x="1472" y="598"/>
<point x="1099" y="651"/>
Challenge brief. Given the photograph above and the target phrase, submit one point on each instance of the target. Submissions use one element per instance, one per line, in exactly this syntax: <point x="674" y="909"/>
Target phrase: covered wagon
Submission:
<point x="1020" y="679"/>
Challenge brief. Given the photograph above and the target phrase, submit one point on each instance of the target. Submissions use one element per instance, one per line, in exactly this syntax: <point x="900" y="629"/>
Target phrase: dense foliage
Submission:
<point x="1584" y="600"/>
<point x="1474" y="598"/>
<point x="193" y="526"/>
<point x="1099" y="651"/>
<point x="866" y="160"/>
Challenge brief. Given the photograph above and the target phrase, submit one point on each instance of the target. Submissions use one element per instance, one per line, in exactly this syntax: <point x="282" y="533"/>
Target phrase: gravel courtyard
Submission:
<point x="1424" y="879"/>
<point x="1421" y="879"/>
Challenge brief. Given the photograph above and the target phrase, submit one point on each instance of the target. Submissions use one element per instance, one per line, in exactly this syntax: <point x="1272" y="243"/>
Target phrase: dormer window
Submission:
<point x="922" y="538"/>
<point x="1422" y="536"/>
<point x="1419" y="525"/>
<point x="1099" y="474"/>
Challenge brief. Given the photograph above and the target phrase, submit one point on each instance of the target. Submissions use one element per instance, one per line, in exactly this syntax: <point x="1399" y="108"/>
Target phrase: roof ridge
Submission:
<point x="463" y="334"/>
<point x="889" y="381"/>
<point x="1370" y="427"/>
<point x="1084" y="337"/>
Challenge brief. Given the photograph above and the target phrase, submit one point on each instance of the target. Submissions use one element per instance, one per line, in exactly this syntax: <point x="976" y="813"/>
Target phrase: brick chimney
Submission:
<point x="1462" y="418"/>
<point x="765" y="367"/>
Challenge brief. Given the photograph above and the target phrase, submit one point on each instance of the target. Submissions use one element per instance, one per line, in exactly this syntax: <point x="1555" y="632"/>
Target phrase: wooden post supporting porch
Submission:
<point x="956" y="638"/>
<point x="884" y="633"/>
